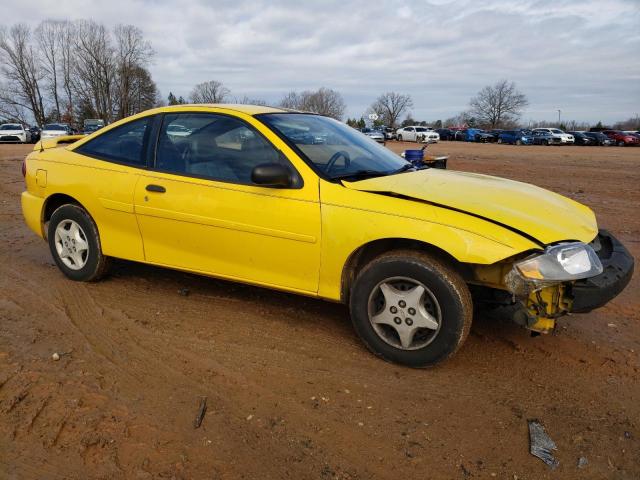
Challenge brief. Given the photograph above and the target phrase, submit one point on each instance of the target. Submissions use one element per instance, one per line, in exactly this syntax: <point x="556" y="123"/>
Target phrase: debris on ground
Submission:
<point x="582" y="462"/>
<point x="201" y="411"/>
<point x="185" y="292"/>
<point x="55" y="357"/>
<point x="541" y="445"/>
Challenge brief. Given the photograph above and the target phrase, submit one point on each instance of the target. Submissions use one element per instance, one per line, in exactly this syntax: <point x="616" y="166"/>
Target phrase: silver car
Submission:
<point x="373" y="134"/>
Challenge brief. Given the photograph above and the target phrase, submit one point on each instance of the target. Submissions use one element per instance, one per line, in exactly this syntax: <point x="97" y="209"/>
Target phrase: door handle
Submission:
<point x="155" y="188"/>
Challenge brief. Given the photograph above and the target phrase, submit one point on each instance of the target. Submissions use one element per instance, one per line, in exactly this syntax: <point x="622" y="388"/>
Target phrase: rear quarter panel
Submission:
<point x="104" y="189"/>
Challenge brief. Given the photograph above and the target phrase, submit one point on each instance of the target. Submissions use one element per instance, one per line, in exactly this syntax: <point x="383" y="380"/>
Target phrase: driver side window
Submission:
<point x="217" y="147"/>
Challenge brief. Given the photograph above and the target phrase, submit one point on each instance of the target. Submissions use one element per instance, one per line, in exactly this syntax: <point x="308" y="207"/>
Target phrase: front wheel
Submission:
<point x="518" y="142"/>
<point x="75" y="244"/>
<point x="621" y="143"/>
<point x="399" y="138"/>
<point x="410" y="308"/>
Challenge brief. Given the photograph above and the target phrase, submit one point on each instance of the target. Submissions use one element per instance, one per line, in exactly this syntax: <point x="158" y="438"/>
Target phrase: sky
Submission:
<point x="582" y="57"/>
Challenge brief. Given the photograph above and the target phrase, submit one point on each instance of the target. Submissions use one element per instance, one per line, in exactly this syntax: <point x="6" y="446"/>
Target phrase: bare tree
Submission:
<point x="391" y="106"/>
<point x="21" y="69"/>
<point x="498" y="104"/>
<point x="132" y="55"/>
<point x="94" y="72"/>
<point x="291" y="100"/>
<point x="245" y="100"/>
<point x="324" y="101"/>
<point x="210" y="92"/>
<point x="67" y="58"/>
<point x="48" y="36"/>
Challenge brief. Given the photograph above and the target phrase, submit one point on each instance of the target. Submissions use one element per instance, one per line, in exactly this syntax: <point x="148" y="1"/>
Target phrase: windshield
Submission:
<point x="53" y="126"/>
<point x="334" y="148"/>
<point x="555" y="130"/>
<point x="10" y="126"/>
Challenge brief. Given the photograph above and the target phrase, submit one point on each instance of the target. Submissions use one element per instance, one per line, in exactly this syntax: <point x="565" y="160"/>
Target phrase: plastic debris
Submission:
<point x="201" y="411"/>
<point x="582" y="462"/>
<point x="55" y="357"/>
<point x="541" y="445"/>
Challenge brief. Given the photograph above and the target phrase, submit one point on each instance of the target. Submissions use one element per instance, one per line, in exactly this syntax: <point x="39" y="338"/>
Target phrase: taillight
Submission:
<point x="24" y="167"/>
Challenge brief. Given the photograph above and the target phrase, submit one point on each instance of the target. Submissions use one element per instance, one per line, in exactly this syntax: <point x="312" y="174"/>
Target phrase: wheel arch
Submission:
<point x="55" y="201"/>
<point x="360" y="257"/>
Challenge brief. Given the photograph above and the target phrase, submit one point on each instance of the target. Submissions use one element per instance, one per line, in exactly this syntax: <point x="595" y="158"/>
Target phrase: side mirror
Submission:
<point x="273" y="175"/>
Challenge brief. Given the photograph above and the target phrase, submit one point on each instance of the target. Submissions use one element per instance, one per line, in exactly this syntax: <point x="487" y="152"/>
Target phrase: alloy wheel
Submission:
<point x="71" y="244"/>
<point x="404" y="313"/>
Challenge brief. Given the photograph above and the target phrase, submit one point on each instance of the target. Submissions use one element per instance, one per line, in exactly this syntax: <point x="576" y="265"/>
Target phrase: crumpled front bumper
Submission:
<point x="618" y="264"/>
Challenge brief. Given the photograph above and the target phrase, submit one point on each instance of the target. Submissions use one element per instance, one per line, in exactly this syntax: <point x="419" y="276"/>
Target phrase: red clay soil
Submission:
<point x="291" y="391"/>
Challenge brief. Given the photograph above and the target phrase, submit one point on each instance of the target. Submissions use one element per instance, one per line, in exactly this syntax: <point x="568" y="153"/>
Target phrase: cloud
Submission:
<point x="578" y="56"/>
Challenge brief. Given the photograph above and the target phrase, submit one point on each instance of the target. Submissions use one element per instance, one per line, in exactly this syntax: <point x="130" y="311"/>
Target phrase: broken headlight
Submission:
<point x="559" y="263"/>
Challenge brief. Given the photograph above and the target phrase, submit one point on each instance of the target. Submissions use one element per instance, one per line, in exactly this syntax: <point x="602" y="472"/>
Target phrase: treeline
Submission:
<point x="65" y="71"/>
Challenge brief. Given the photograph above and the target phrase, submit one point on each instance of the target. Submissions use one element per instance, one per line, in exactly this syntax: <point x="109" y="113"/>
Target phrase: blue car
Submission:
<point x="516" y="137"/>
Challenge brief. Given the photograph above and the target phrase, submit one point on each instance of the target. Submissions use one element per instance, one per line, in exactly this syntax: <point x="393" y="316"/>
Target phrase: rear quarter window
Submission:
<point x="123" y="144"/>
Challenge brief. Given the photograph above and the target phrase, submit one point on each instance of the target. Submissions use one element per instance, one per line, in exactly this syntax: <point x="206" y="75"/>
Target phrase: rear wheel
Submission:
<point x="499" y="140"/>
<point x="518" y="142"/>
<point x="399" y="138"/>
<point x="75" y="244"/>
<point x="410" y="308"/>
<point x="621" y="143"/>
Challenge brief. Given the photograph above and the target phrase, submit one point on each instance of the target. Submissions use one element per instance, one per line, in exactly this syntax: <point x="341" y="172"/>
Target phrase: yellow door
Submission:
<point x="199" y="210"/>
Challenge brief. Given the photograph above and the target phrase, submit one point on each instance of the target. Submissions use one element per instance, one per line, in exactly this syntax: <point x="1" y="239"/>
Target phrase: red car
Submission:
<point x="621" y="138"/>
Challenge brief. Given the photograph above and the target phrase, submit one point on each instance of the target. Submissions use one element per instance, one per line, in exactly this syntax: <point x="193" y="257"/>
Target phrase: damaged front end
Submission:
<point x="564" y="278"/>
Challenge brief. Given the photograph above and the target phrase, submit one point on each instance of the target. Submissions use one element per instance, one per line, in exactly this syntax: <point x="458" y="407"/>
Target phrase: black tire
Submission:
<point x="518" y="142"/>
<point x="399" y="138"/>
<point x="97" y="263"/>
<point x="443" y="283"/>
<point x="546" y="143"/>
<point x="621" y="143"/>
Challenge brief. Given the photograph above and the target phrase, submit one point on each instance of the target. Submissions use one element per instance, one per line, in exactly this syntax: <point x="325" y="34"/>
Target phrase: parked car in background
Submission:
<point x="620" y="138"/>
<point x="563" y="137"/>
<point x="374" y="134"/>
<point x="474" y="135"/>
<point x="14" y="133"/>
<point x="35" y="133"/>
<point x="52" y="130"/>
<point x="516" y="137"/>
<point x="427" y="135"/>
<point x="91" y="125"/>
<point x="581" y="139"/>
<point x="389" y="133"/>
<point x="542" y="137"/>
<point x="599" y="138"/>
<point x="496" y="132"/>
<point x="445" y="134"/>
<point x="417" y="133"/>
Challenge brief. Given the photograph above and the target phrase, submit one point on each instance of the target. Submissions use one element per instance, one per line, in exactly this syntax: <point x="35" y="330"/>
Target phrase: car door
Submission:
<point x="198" y="210"/>
<point x="409" y="134"/>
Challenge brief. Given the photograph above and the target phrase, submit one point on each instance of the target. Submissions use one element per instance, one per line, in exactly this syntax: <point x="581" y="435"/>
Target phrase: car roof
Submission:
<point x="236" y="107"/>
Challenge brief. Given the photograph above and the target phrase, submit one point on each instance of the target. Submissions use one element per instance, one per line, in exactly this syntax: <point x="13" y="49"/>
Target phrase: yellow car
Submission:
<point x="303" y="203"/>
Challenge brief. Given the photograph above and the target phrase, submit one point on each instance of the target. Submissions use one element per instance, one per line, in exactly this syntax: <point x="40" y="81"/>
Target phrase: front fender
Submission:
<point x="352" y="219"/>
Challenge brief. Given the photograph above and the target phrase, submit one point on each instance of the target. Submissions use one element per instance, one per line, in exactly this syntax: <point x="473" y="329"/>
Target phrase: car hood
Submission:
<point x="536" y="212"/>
<point x="11" y="132"/>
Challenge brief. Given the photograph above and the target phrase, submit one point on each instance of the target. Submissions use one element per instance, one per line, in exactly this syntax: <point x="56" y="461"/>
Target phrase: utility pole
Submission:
<point x="559" y="122"/>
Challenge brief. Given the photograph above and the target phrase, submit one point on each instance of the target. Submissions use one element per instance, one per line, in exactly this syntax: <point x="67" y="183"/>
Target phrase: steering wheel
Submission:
<point x="334" y="158"/>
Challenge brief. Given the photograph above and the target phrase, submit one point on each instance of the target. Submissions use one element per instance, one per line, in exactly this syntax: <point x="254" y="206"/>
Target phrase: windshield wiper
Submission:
<point x="404" y="168"/>
<point x="360" y="174"/>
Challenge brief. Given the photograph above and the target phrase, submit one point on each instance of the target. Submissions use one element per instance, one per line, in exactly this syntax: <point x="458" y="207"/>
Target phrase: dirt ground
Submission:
<point x="291" y="391"/>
